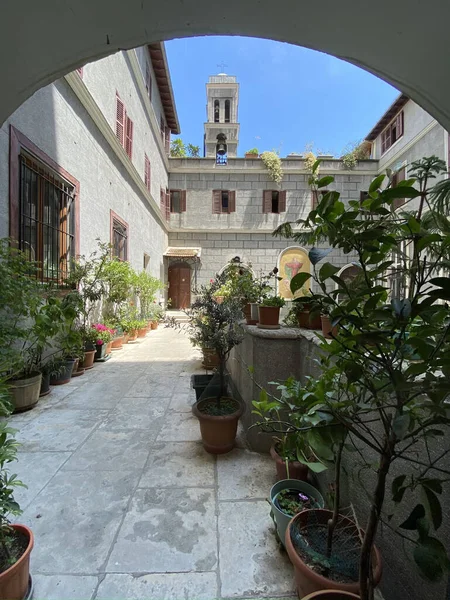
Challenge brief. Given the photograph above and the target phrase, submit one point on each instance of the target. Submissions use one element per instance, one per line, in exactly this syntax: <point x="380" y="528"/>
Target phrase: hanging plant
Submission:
<point x="310" y="160"/>
<point x="357" y="152"/>
<point x="272" y="162"/>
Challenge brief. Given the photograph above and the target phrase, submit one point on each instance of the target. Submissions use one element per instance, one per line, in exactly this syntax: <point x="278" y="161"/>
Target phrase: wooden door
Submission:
<point x="180" y="286"/>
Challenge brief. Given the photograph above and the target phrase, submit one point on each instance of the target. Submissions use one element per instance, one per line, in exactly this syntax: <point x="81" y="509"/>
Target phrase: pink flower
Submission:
<point x="99" y="342"/>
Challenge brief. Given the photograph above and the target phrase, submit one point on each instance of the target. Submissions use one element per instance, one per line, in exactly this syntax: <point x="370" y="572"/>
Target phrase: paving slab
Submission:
<point x="36" y="469"/>
<point x="59" y="429"/>
<point x="167" y="530"/>
<point x="161" y="586"/>
<point x="251" y="563"/>
<point x="179" y="427"/>
<point x="138" y="413"/>
<point x="178" y="464"/>
<point x="111" y="451"/>
<point x="75" y="519"/>
<point x="182" y="401"/>
<point x="243" y="474"/>
<point x="64" y="587"/>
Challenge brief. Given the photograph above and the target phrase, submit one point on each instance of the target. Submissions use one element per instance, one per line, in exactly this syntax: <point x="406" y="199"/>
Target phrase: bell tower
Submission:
<point x="221" y="127"/>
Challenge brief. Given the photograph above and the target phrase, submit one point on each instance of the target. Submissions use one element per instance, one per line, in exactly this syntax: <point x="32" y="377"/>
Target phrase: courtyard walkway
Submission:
<point x="122" y="499"/>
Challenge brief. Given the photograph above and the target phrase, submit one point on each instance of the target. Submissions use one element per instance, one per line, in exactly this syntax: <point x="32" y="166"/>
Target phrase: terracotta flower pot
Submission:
<point x="309" y="320"/>
<point x="25" y="392"/>
<point x="88" y="360"/>
<point x="296" y="469"/>
<point x="132" y="335"/>
<point x="117" y="343"/>
<point x="307" y="580"/>
<point x="210" y="358"/>
<point x="108" y="348"/>
<point x="269" y="317"/>
<point x="14" y="581"/>
<point x="155" y="324"/>
<point x="303" y="319"/>
<point x="75" y="366"/>
<point x="142" y="332"/>
<point x="327" y="330"/>
<point x="330" y="595"/>
<point x="251" y="155"/>
<point x="218" y="432"/>
<point x="126" y="338"/>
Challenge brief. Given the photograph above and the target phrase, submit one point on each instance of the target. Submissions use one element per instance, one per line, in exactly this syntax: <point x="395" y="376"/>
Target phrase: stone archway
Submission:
<point x="36" y="49"/>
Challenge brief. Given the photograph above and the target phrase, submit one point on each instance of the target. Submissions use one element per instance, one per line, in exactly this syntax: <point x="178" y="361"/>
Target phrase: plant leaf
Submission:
<point x="400" y="425"/>
<point x="327" y="270"/>
<point x="418" y="512"/>
<point x="324" y="181"/>
<point x="298" y="281"/>
<point x="434" y="507"/>
<point x="317" y="254"/>
<point x="374" y="186"/>
<point x="431" y="558"/>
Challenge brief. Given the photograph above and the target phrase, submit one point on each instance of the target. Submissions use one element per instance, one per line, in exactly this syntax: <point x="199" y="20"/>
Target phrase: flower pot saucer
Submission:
<point x="104" y="359"/>
<point x="267" y="326"/>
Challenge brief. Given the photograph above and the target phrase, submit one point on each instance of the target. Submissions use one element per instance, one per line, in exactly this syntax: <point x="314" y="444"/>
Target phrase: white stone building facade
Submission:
<point x="100" y="138"/>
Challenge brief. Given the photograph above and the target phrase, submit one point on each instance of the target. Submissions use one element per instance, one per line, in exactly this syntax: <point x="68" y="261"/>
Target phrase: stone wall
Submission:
<point x="249" y="178"/>
<point x="260" y="250"/>
<point x="276" y="355"/>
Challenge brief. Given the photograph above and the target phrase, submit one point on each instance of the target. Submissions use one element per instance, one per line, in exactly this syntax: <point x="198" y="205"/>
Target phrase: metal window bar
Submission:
<point x="47" y="219"/>
<point x="120" y="236"/>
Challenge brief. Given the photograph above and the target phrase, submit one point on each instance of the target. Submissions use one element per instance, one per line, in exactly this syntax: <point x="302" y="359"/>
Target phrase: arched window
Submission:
<point x="292" y="260"/>
<point x="216" y="111"/>
<point x="227" y="111"/>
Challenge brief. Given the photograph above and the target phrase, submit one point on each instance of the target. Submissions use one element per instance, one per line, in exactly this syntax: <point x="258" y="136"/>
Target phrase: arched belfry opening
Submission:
<point x="222" y="92"/>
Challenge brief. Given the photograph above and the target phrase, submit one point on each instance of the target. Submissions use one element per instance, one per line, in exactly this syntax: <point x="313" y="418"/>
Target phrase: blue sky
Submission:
<point x="289" y="96"/>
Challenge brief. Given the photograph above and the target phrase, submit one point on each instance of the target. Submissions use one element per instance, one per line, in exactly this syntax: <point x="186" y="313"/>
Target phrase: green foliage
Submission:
<point x="145" y="287"/>
<point x="254" y="151"/>
<point x="272" y="162"/>
<point x="276" y="301"/>
<point x="355" y="152"/>
<point x="179" y="150"/>
<point x="384" y="379"/>
<point x="8" y="482"/>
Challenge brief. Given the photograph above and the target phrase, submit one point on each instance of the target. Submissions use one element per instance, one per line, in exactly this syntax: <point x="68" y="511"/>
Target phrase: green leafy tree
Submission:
<point x="193" y="151"/>
<point x="386" y="372"/>
<point x="177" y="148"/>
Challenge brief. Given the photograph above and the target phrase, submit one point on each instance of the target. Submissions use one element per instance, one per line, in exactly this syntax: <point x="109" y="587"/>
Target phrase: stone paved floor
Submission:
<point x="123" y="501"/>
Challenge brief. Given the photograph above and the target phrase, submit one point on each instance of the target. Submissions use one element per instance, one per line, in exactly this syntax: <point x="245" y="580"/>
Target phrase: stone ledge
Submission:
<point x="284" y="333"/>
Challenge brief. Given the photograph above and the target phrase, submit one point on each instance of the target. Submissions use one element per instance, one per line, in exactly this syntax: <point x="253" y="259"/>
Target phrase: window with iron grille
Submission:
<point x="392" y="133"/>
<point x="147" y="173"/>
<point x="47" y="219"/>
<point x="119" y="239"/>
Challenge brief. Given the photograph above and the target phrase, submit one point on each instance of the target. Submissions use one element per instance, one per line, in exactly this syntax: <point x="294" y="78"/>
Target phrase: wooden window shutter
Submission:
<point x="167" y="205"/>
<point x="232" y="201"/>
<point x="162" y="201"/>
<point x="120" y="120"/>
<point x="183" y="201"/>
<point x="129" y="138"/>
<point x="148" y="78"/>
<point x="282" y="201"/>
<point x="314" y="199"/>
<point x="217" y="202"/>
<point x="267" y="201"/>
<point x="399" y="125"/>
<point x="147" y="180"/>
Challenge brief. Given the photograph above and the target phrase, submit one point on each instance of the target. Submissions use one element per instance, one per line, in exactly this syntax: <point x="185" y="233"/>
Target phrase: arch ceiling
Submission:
<point x="403" y="42"/>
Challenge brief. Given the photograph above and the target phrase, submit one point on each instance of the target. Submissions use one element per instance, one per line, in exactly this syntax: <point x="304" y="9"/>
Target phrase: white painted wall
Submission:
<point x="57" y="123"/>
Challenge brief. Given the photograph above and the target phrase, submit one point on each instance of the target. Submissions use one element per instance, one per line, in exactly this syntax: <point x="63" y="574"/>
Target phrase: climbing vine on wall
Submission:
<point x="272" y="162"/>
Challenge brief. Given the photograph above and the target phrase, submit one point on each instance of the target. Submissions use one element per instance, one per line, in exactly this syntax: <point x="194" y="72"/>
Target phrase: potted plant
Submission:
<point x="104" y="336"/>
<point x="307" y="312"/>
<point x="16" y="541"/>
<point x="218" y="415"/>
<point x="269" y="312"/>
<point x="328" y="330"/>
<point x="252" y="153"/>
<point x="387" y="372"/>
<point x="142" y="328"/>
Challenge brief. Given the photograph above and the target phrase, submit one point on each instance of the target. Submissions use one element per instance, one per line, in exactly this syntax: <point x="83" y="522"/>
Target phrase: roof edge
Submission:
<point x="160" y="65"/>
<point x="395" y="107"/>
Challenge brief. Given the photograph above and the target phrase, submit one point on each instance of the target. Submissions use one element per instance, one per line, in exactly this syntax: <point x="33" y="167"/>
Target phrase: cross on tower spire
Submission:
<point x="222" y="66"/>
